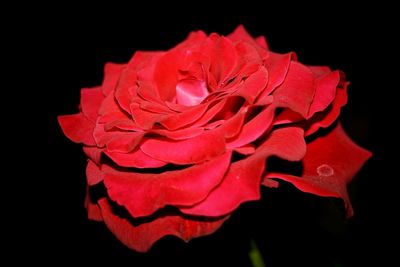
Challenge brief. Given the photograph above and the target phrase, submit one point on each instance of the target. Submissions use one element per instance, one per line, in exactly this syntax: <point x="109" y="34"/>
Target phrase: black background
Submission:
<point x="69" y="51"/>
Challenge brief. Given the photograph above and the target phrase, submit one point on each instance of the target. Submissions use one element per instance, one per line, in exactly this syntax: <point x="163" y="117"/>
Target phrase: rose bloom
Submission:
<point x="179" y="139"/>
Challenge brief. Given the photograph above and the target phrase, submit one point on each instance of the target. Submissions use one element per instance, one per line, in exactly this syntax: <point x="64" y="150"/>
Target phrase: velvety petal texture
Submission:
<point x="179" y="139"/>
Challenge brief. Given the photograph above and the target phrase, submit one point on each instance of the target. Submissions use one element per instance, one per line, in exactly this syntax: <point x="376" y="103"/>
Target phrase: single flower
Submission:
<point x="180" y="138"/>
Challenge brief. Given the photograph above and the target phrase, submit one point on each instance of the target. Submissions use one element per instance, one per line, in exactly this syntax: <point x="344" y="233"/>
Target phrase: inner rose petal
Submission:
<point x="190" y="92"/>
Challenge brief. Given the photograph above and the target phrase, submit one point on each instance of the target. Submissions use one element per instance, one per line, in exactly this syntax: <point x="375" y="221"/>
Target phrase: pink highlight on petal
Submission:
<point x="190" y="92"/>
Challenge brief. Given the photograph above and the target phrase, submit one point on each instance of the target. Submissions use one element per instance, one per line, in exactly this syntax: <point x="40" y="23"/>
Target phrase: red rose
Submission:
<point x="180" y="138"/>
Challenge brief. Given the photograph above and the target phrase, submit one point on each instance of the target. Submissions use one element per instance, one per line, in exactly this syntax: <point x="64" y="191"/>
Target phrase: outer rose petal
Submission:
<point x="254" y="128"/>
<point x="112" y="73"/>
<point x="242" y="181"/>
<point x="116" y="141"/>
<point x="78" y="128"/>
<point x="93" y="174"/>
<point x="91" y="100"/>
<point x="93" y="210"/>
<point x="223" y="57"/>
<point x="94" y="153"/>
<point x="253" y="85"/>
<point x="124" y="142"/>
<point x="241" y="184"/>
<point x="195" y="150"/>
<point x="297" y="90"/>
<point x="143" y="236"/>
<point x="277" y="66"/>
<point x="110" y="111"/>
<point x="330" y="163"/>
<point x="135" y="159"/>
<point x="240" y="34"/>
<point x="325" y="92"/>
<point x="166" y="73"/>
<point x="328" y="116"/>
<point x="185" y="133"/>
<point x="142" y="194"/>
<point x="262" y="42"/>
<point x="144" y="119"/>
<point x="189" y="116"/>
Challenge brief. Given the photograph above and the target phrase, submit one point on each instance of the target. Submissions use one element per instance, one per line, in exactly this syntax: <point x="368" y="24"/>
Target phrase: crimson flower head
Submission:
<point x="180" y="138"/>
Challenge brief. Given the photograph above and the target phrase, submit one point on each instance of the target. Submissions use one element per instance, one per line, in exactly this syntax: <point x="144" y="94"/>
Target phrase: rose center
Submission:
<point x="190" y="92"/>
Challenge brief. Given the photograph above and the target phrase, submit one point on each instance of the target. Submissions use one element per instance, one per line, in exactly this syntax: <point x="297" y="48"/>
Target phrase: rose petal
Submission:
<point x="250" y="60"/>
<point x="223" y="57"/>
<point x="287" y="143"/>
<point x="241" y="34"/>
<point x="297" y="90"/>
<point x="183" y="134"/>
<point x="191" y="151"/>
<point x="329" y="165"/>
<point x="241" y="184"/>
<point x="93" y="210"/>
<point x="179" y="120"/>
<point x="112" y="73"/>
<point x="262" y="42"/>
<point x="143" y="193"/>
<point x="245" y="150"/>
<point x="110" y="111"/>
<point x="191" y="92"/>
<point x="124" y="142"/>
<point x="116" y="140"/>
<point x="277" y="66"/>
<point x="93" y="153"/>
<point x="123" y="124"/>
<point x="78" y="128"/>
<point x="124" y="97"/>
<point x="166" y="73"/>
<point x="129" y="81"/>
<point x="141" y="237"/>
<point x="287" y="116"/>
<point x="327" y="117"/>
<point x="135" y="159"/>
<point x="270" y="183"/>
<point x="209" y="114"/>
<point x="145" y="62"/>
<point x="325" y="92"/>
<point x="242" y="181"/>
<point x="91" y="100"/>
<point x="254" y="128"/>
<point x="145" y="119"/>
<point x="233" y="125"/>
<point x="320" y="71"/>
<point x="253" y="85"/>
<point x="93" y="174"/>
<point x="147" y="91"/>
<point x="155" y="107"/>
